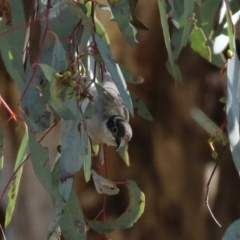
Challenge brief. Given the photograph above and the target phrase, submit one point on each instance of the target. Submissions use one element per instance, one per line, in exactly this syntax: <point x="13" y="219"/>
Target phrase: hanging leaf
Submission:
<point x="71" y="143"/>
<point x="48" y="71"/>
<point x="122" y="15"/>
<point x="128" y="76"/>
<point x="14" y="186"/>
<point x="115" y="72"/>
<point x="198" y="43"/>
<point x="233" y="231"/>
<point x="59" y="58"/>
<point x="180" y="36"/>
<point x="1" y="149"/>
<point x="138" y="24"/>
<point x="40" y="161"/>
<point x="62" y="191"/>
<point x="232" y="106"/>
<point x="87" y="163"/>
<point x="72" y="223"/>
<point x="129" y="217"/>
<point x="12" y="42"/>
<point x="140" y="107"/>
<point x="104" y="185"/>
<point x="123" y="152"/>
<point x="57" y="104"/>
<point x="171" y="66"/>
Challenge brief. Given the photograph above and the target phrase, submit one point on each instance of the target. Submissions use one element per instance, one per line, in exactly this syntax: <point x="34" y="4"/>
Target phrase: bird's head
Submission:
<point x="120" y="130"/>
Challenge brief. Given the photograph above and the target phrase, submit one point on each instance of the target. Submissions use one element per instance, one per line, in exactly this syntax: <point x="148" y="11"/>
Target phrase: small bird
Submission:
<point x="109" y="121"/>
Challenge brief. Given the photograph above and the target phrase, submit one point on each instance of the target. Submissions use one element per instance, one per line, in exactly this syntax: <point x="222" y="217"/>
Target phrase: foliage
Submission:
<point x="193" y="22"/>
<point x="72" y="47"/>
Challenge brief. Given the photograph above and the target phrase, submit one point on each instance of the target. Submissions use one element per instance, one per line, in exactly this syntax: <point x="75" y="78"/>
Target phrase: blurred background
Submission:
<point x="170" y="158"/>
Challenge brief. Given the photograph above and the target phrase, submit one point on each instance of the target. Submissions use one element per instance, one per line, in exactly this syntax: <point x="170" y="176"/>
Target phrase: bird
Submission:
<point x="109" y="122"/>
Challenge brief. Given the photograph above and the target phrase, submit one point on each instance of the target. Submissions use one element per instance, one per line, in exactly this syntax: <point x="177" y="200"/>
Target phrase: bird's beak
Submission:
<point x="118" y="143"/>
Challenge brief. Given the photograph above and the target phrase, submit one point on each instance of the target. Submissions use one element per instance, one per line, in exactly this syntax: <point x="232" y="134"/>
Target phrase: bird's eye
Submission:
<point x="115" y="130"/>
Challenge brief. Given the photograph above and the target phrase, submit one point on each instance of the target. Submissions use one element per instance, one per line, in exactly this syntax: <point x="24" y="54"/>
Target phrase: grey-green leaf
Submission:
<point x="140" y="107"/>
<point x="115" y="72"/>
<point x="122" y="15"/>
<point x="129" y="217"/>
<point x="104" y="185"/>
<point x="232" y="106"/>
<point x="233" y="231"/>
<point x="72" y="223"/>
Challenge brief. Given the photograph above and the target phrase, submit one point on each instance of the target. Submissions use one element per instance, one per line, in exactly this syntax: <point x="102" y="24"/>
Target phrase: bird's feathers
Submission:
<point x="107" y="103"/>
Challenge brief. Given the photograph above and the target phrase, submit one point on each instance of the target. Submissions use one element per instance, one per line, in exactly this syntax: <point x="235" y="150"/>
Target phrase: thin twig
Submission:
<point x="208" y="187"/>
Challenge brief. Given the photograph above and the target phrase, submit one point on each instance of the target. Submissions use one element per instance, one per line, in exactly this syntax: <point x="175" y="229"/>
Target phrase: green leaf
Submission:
<point x="102" y="32"/>
<point x="95" y="147"/>
<point x="138" y="24"/>
<point x="123" y="152"/>
<point x="48" y="71"/>
<point x="233" y="231"/>
<point x="71" y="143"/>
<point x="129" y="77"/>
<point x="140" y="107"/>
<point x="129" y="217"/>
<point x="232" y="106"/>
<point x="72" y="222"/>
<point x="104" y="185"/>
<point x="87" y="163"/>
<point x="59" y="58"/>
<point x="85" y="36"/>
<point x="122" y="15"/>
<point x="115" y="72"/>
<point x="171" y="66"/>
<point x="60" y="198"/>
<point x="1" y="149"/>
<point x="12" y="42"/>
<point x="198" y="43"/>
<point x="35" y="99"/>
<point x="180" y="36"/>
<point x="206" y="14"/>
<point x="57" y="104"/>
<point x="14" y="186"/>
<point x="204" y="121"/>
<point x="80" y="10"/>
<point x="40" y="161"/>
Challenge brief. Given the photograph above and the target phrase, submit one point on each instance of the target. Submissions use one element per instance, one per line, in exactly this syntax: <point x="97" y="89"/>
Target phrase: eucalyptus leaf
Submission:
<point x="232" y="106"/>
<point x="35" y="100"/>
<point x="1" y="149"/>
<point x="123" y="152"/>
<point x="57" y="104"/>
<point x="40" y="161"/>
<point x="122" y="15"/>
<point x="171" y="66"/>
<point x="87" y="162"/>
<point x="59" y="58"/>
<point x="198" y="43"/>
<point x="183" y="32"/>
<point x="104" y="185"/>
<point x="12" y="41"/>
<point x="115" y="72"/>
<point x="138" y="24"/>
<point x="72" y="222"/>
<point x="14" y="186"/>
<point x="233" y="231"/>
<point x="71" y="142"/>
<point x="129" y="77"/>
<point x="129" y="217"/>
<point x="140" y="107"/>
